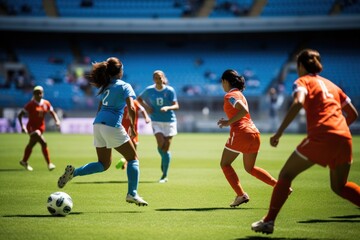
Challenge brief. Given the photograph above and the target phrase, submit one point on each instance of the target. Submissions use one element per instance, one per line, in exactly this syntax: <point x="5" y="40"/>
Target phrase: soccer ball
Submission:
<point x="59" y="204"/>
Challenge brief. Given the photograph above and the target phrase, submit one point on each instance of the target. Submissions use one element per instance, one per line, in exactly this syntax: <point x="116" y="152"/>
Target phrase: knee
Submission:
<point x="249" y="170"/>
<point x="286" y="176"/>
<point x="106" y="166"/>
<point x="336" y="188"/>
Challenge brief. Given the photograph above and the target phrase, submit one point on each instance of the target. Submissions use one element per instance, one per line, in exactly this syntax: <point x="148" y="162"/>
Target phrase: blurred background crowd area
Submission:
<point x="53" y="43"/>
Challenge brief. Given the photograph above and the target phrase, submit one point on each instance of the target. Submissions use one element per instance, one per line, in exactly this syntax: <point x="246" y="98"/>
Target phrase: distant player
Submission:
<point x="244" y="136"/>
<point x="126" y="120"/>
<point x="328" y="141"/>
<point x="127" y="123"/>
<point x="36" y="110"/>
<point x="160" y="101"/>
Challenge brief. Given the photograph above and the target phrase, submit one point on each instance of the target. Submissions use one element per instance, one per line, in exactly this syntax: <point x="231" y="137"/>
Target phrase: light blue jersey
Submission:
<point x="157" y="99"/>
<point x="113" y="101"/>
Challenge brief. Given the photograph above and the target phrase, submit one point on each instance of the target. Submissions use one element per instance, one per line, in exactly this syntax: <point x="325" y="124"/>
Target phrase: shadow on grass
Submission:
<point x="12" y="170"/>
<point x="110" y="182"/>
<point x="339" y="219"/>
<point x="39" y="215"/>
<point x="200" y="209"/>
<point x="276" y="238"/>
<point x="51" y="216"/>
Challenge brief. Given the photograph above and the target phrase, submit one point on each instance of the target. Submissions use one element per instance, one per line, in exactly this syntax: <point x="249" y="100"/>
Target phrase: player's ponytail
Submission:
<point x="311" y="60"/>
<point x="235" y="80"/>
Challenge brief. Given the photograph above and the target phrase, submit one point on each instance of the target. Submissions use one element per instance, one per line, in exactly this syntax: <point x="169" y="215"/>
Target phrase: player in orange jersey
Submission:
<point x="328" y="141"/>
<point x="127" y="123"/>
<point x="244" y="136"/>
<point x="36" y="110"/>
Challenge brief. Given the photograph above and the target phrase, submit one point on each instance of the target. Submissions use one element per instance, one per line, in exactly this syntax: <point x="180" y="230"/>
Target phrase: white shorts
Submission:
<point x="109" y="137"/>
<point x="169" y="129"/>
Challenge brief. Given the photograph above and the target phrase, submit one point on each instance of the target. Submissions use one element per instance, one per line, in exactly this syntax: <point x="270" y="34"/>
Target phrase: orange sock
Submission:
<point x="233" y="179"/>
<point x="278" y="198"/>
<point x="351" y="192"/>
<point x="263" y="175"/>
<point x="45" y="152"/>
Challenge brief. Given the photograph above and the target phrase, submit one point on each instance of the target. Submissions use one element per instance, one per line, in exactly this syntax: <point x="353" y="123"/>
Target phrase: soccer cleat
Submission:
<point x="163" y="180"/>
<point x="51" y="166"/>
<point x="67" y="176"/>
<point x="240" y="200"/>
<point x="121" y="164"/>
<point x="26" y="165"/>
<point x="264" y="227"/>
<point x="136" y="199"/>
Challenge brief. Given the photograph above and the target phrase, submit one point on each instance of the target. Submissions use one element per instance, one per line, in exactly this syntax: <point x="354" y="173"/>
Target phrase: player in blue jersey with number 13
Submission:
<point x="159" y="101"/>
<point x="108" y="130"/>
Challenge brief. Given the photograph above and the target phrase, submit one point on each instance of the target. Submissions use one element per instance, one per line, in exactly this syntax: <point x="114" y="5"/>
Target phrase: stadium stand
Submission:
<point x="193" y="58"/>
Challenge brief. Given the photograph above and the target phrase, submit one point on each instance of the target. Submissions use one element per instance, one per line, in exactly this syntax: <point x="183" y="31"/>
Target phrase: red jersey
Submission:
<point x="245" y="124"/>
<point x="36" y="113"/>
<point x="323" y="105"/>
<point x="126" y="120"/>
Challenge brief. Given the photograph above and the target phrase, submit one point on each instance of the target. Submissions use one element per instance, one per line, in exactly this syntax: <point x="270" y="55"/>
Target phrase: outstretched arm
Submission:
<point x="175" y="106"/>
<point x="132" y="114"/>
<point x="20" y="116"/>
<point x="299" y="98"/>
<point x="148" y="109"/>
<point x="145" y="114"/>
<point x="56" y="118"/>
<point x="242" y="112"/>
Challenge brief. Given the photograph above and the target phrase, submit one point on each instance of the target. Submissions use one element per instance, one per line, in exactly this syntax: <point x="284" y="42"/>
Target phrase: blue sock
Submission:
<point x="133" y="173"/>
<point x="90" y="168"/>
<point x="162" y="159"/>
<point x="166" y="163"/>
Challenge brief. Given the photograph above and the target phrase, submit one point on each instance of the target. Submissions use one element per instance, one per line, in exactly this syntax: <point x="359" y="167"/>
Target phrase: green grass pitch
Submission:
<point x="194" y="204"/>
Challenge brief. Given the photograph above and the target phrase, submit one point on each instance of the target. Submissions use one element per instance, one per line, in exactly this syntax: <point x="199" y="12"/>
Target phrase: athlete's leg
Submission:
<point x="227" y="159"/>
<point x="132" y="170"/>
<point x="249" y="160"/>
<point x="293" y="166"/>
<point x="339" y="184"/>
<point x="160" y="140"/>
<point x="166" y="156"/>
<point x="33" y="139"/>
<point x="103" y="163"/>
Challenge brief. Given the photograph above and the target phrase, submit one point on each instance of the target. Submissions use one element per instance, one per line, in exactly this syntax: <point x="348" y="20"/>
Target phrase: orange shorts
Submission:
<point x="243" y="142"/>
<point x="326" y="150"/>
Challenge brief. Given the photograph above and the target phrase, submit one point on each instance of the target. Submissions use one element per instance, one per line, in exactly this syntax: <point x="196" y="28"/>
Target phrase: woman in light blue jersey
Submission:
<point x="159" y="101"/>
<point x="108" y="131"/>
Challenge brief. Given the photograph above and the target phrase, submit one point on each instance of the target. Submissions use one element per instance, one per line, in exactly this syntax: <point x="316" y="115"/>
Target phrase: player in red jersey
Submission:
<point x="36" y="110"/>
<point x="127" y="123"/>
<point x="328" y="141"/>
<point x="244" y="136"/>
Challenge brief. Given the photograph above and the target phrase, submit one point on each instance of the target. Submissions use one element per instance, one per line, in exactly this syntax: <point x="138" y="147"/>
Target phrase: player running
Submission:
<point x="108" y="131"/>
<point x="244" y="136"/>
<point x="36" y="110"/>
<point x="328" y="141"/>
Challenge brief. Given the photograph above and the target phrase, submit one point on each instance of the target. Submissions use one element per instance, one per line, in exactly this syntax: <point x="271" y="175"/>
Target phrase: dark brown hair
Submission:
<point x="311" y="60"/>
<point x="102" y="72"/>
<point x="235" y="80"/>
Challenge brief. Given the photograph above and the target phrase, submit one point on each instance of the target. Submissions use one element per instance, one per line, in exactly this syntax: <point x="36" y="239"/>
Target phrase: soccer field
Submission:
<point x="194" y="204"/>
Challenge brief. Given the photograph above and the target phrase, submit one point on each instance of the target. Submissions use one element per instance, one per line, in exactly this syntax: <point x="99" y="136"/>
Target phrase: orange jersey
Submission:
<point x="126" y="120"/>
<point x="323" y="106"/>
<point x="245" y="124"/>
<point x="36" y="113"/>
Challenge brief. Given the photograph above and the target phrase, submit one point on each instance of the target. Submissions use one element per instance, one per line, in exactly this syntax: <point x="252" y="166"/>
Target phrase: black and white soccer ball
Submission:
<point x="59" y="204"/>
